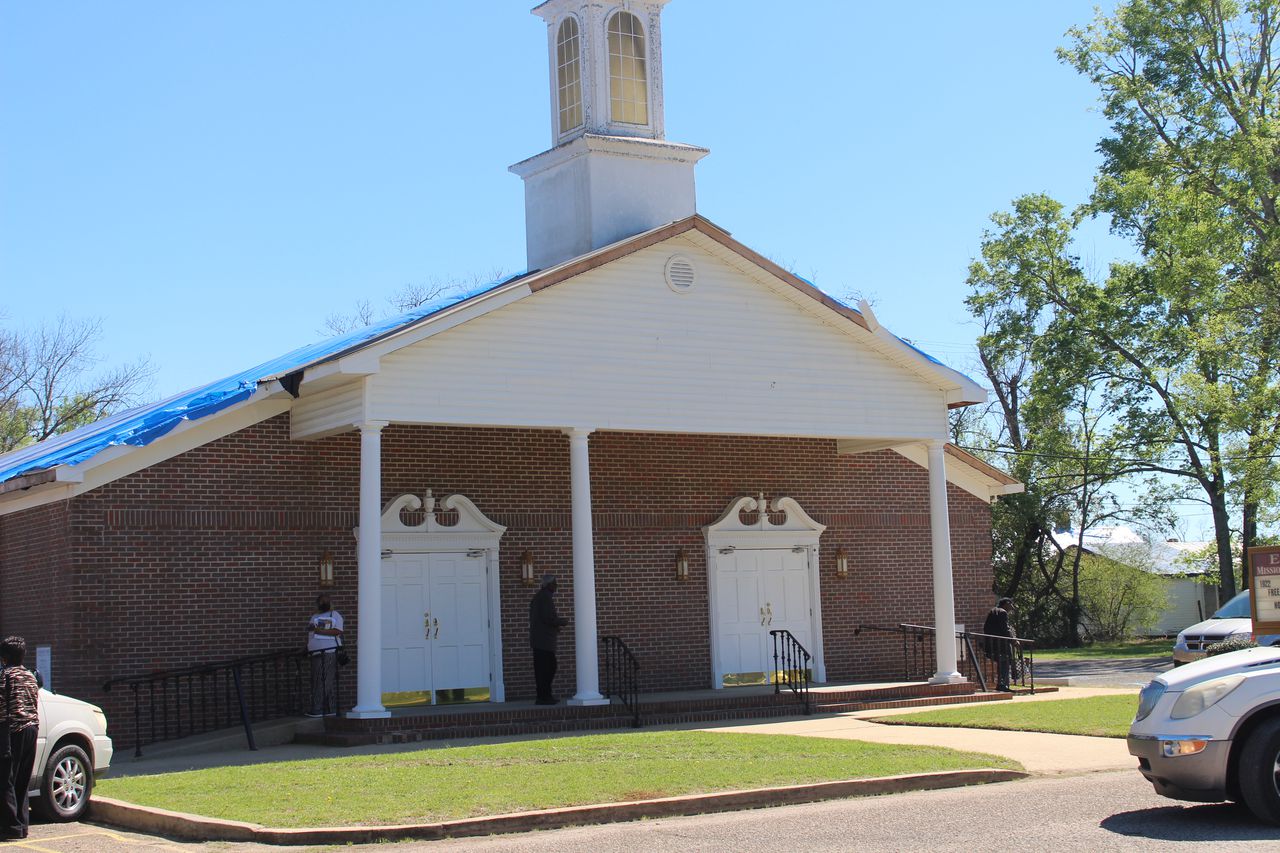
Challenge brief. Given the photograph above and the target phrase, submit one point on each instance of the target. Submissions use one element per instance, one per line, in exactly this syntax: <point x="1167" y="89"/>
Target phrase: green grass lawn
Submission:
<point x="442" y="784"/>
<point x="1099" y="716"/>
<point x="1121" y="649"/>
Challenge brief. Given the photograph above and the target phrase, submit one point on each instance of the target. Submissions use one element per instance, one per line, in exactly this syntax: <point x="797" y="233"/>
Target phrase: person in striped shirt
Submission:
<point x="19" y="722"/>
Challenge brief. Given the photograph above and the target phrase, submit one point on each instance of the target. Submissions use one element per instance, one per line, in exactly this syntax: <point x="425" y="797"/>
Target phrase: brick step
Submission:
<point x="671" y="710"/>
<point x="614" y="717"/>
<point x="532" y="721"/>
<point x="463" y="732"/>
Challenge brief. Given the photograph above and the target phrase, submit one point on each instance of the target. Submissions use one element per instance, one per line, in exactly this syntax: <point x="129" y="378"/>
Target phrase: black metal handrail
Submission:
<point x="980" y="660"/>
<point x="791" y="666"/>
<point x="622" y="676"/>
<point x="193" y="700"/>
<point x="919" y="654"/>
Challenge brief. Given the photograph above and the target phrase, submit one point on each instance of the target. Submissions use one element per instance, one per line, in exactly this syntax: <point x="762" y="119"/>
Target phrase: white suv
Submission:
<point x="71" y="747"/>
<point x="1232" y="619"/>
<point x="1210" y="731"/>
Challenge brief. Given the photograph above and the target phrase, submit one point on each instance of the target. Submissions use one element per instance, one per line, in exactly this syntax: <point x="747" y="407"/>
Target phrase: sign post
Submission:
<point x="1263" y="566"/>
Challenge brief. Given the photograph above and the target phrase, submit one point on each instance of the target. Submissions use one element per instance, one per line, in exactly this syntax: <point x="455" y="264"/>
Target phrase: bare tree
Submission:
<point x="406" y="299"/>
<point x="49" y="382"/>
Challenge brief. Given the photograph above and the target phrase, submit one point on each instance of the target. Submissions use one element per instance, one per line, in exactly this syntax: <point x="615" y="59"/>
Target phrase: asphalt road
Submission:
<point x="1095" y="812"/>
<point x="1106" y="672"/>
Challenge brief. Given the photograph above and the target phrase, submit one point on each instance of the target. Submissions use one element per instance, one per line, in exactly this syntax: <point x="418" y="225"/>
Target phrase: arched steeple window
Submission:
<point x="569" y="75"/>
<point x="628" y="70"/>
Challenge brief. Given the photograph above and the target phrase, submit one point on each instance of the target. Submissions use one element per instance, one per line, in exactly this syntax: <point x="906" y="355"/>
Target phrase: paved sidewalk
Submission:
<point x="1043" y="754"/>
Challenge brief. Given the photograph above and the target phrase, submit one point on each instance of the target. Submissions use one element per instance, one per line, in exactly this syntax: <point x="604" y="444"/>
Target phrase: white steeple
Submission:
<point x="610" y="173"/>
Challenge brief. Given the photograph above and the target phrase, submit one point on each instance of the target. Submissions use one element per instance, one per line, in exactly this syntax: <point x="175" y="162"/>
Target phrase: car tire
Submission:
<point x="66" y="784"/>
<point x="1259" y="771"/>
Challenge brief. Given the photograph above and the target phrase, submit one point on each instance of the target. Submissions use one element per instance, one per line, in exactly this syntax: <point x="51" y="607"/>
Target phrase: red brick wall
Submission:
<point x="212" y="554"/>
<point x="36" y="600"/>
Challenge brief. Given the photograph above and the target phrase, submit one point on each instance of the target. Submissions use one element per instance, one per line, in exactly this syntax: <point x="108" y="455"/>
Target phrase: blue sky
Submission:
<point x="212" y="180"/>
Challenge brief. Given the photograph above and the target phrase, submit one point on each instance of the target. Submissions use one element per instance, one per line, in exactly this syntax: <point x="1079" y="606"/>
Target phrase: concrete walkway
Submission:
<point x="1041" y="754"/>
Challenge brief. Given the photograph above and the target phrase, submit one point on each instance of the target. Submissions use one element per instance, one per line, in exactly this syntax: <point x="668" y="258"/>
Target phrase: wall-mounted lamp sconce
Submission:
<point x="842" y="563"/>
<point x="326" y="568"/>
<point x="526" y="568"/>
<point x="682" y="565"/>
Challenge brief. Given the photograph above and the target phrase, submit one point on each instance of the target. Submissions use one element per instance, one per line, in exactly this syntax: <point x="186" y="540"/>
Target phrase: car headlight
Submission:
<point x="1148" y="698"/>
<point x="1196" y="699"/>
<point x="101" y="718"/>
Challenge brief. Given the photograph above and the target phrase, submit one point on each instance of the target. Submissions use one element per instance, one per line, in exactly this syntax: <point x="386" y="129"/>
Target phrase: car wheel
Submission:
<point x="1259" y="771"/>
<point x="67" y="784"/>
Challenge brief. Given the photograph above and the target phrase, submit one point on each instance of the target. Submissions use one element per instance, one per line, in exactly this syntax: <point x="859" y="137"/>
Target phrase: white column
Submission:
<point x="369" y="558"/>
<point x="586" y="643"/>
<point x="944" y="612"/>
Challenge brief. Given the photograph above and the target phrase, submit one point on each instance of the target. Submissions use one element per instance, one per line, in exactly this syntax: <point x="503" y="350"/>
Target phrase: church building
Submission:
<point x="702" y="446"/>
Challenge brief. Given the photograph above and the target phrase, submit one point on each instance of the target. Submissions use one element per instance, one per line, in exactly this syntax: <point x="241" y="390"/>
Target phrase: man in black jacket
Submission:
<point x="1000" y="650"/>
<point x="544" y="630"/>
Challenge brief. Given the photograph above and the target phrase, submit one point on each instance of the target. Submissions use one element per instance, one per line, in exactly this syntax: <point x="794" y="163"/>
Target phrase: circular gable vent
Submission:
<point x="680" y="274"/>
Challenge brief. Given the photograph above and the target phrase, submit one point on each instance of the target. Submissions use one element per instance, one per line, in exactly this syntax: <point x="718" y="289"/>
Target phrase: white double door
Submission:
<point x="758" y="591"/>
<point x="435" y="624"/>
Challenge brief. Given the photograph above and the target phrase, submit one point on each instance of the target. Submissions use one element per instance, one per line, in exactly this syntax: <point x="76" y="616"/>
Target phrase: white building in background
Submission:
<point x="1191" y="600"/>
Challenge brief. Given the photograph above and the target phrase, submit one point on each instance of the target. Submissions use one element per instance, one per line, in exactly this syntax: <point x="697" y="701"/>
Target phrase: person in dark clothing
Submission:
<point x="1000" y="650"/>
<point x="544" y="630"/>
<point x="19" y="723"/>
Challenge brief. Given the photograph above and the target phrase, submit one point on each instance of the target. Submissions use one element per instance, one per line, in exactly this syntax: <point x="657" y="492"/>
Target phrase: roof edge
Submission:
<point x="982" y="467"/>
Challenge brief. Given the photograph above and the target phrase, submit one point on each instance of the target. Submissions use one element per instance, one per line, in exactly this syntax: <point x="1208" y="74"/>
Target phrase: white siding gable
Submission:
<point x="616" y="348"/>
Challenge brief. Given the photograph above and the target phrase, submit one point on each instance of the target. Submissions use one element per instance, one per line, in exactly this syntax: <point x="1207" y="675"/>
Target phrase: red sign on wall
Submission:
<point x="1264" y="580"/>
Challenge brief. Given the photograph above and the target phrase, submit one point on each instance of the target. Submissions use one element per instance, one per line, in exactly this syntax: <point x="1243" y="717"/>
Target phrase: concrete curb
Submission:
<point x="196" y="828"/>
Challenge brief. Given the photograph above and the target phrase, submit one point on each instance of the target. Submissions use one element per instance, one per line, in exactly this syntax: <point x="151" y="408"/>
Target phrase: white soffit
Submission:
<point x="960" y="473"/>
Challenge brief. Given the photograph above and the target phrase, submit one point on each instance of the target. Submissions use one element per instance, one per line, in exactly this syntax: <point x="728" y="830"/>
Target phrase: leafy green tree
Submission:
<point x="1120" y="593"/>
<point x="1191" y="172"/>
<point x="1059" y="415"/>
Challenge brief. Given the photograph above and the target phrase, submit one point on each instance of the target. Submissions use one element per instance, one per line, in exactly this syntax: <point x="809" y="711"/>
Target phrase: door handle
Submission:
<point x="436" y="622"/>
<point x="761" y="615"/>
<point x="426" y="626"/>
<point x="769" y="611"/>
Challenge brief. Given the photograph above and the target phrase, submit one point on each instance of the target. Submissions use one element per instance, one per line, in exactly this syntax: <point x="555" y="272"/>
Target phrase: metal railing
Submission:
<point x="791" y="666"/>
<point x="622" y="676"/>
<point x="977" y="658"/>
<point x="179" y="703"/>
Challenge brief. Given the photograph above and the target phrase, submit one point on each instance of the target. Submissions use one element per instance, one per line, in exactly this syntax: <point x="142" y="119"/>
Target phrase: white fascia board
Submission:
<point x="124" y="459"/>
<point x="333" y="373"/>
<point x="365" y="361"/>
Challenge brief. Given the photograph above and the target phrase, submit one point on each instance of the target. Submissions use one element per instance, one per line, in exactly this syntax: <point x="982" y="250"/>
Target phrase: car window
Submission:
<point x="1236" y="608"/>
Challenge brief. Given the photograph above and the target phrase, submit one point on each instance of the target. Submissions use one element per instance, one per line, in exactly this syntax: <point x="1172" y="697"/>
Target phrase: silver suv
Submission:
<point x="1210" y="731"/>
<point x="1232" y="619"/>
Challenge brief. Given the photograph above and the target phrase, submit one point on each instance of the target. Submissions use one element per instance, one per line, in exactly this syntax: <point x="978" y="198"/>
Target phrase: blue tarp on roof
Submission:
<point x="143" y="425"/>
